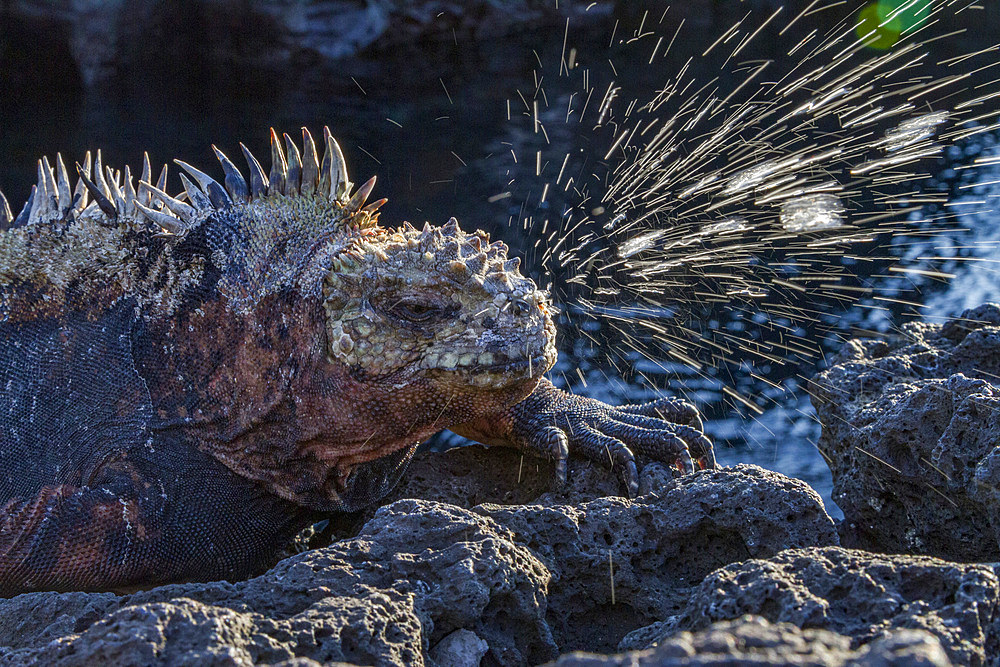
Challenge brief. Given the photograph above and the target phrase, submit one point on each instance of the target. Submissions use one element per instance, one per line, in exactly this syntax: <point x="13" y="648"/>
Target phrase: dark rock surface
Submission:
<point x="859" y="595"/>
<point x="424" y="578"/>
<point x="658" y="547"/>
<point x="910" y="430"/>
<point x="416" y="573"/>
<point x="752" y="640"/>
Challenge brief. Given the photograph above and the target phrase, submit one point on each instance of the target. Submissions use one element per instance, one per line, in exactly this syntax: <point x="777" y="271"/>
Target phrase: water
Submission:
<point x="447" y="132"/>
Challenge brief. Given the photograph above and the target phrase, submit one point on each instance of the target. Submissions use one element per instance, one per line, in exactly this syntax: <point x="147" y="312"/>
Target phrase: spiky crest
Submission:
<point x="300" y="174"/>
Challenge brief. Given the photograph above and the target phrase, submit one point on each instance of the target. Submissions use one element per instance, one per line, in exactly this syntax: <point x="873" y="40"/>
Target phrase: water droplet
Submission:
<point x="812" y="213"/>
<point x="637" y="244"/>
<point x="912" y="130"/>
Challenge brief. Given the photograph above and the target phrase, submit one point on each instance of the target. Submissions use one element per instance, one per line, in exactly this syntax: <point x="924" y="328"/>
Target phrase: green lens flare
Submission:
<point x="882" y="23"/>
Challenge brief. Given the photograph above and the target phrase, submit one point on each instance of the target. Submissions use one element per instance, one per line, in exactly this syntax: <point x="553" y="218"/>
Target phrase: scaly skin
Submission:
<point x="189" y="383"/>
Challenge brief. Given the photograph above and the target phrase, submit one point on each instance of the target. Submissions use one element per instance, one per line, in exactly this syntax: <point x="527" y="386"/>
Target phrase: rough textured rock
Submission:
<point x="856" y="594"/>
<point x="911" y="435"/>
<point x="460" y="648"/>
<point x="659" y="546"/>
<point x="456" y="477"/>
<point x="752" y="640"/>
<point x="424" y="578"/>
<point x="416" y="573"/>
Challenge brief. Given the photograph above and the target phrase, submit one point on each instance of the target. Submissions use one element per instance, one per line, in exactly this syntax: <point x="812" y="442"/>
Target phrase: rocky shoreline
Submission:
<point x="473" y="560"/>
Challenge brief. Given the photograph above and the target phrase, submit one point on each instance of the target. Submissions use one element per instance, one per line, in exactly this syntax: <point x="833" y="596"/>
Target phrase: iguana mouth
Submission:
<point x="502" y="376"/>
<point x="540" y="361"/>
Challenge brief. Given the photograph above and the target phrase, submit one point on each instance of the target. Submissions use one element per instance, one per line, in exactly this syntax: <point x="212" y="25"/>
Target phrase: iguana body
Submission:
<point x="187" y="384"/>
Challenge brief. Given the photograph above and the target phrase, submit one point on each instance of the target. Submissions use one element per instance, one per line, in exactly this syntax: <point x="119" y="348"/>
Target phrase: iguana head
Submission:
<point x="436" y="307"/>
<point x="421" y="329"/>
<point x="439" y="306"/>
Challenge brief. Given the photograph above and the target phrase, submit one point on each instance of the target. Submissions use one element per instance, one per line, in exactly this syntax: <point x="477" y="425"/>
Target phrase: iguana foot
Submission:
<point x="554" y="424"/>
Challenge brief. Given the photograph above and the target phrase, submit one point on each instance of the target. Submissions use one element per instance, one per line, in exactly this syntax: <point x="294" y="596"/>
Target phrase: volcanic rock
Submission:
<point x="752" y="640"/>
<point x="424" y="578"/>
<point x="910" y="431"/>
<point x="103" y="37"/>
<point x="865" y="597"/>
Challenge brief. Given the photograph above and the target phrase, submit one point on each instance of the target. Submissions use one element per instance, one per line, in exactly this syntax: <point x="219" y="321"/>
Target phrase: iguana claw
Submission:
<point x="554" y="424"/>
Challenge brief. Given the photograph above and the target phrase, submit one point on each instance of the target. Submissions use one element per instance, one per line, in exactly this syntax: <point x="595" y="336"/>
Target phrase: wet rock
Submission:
<point x="856" y="594"/>
<point x="425" y="578"/>
<point x="911" y="436"/>
<point x="483" y="19"/>
<point x="754" y="640"/>
<point x="106" y="38"/>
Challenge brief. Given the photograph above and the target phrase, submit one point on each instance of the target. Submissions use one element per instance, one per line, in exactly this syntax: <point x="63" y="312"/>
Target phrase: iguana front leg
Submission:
<point x="553" y="424"/>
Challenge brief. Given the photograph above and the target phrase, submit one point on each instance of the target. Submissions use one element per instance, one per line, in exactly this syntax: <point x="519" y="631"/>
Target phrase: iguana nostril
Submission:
<point x="521" y="307"/>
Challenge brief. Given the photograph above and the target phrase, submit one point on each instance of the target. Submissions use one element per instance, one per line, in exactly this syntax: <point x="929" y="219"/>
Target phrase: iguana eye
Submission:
<point x="414" y="311"/>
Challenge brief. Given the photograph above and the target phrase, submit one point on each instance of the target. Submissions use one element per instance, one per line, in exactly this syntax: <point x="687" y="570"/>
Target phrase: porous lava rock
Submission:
<point x="911" y="434"/>
<point x="417" y="572"/>
<point x="425" y="578"/>
<point x="657" y="547"/>
<point x="863" y="596"/>
<point x="752" y="640"/>
<point x="654" y="550"/>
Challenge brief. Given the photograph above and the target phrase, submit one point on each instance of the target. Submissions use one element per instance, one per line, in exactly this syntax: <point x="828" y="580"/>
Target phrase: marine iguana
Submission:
<point x="188" y="381"/>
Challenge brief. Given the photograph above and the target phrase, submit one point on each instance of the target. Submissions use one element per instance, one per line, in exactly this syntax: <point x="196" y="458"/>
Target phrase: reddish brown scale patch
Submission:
<point x="20" y="523"/>
<point x="381" y="419"/>
<point x="29" y="301"/>
<point x="93" y="298"/>
<point x="64" y="539"/>
<point x="218" y="370"/>
<point x="221" y="380"/>
<point x="81" y="553"/>
<point x="31" y="558"/>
